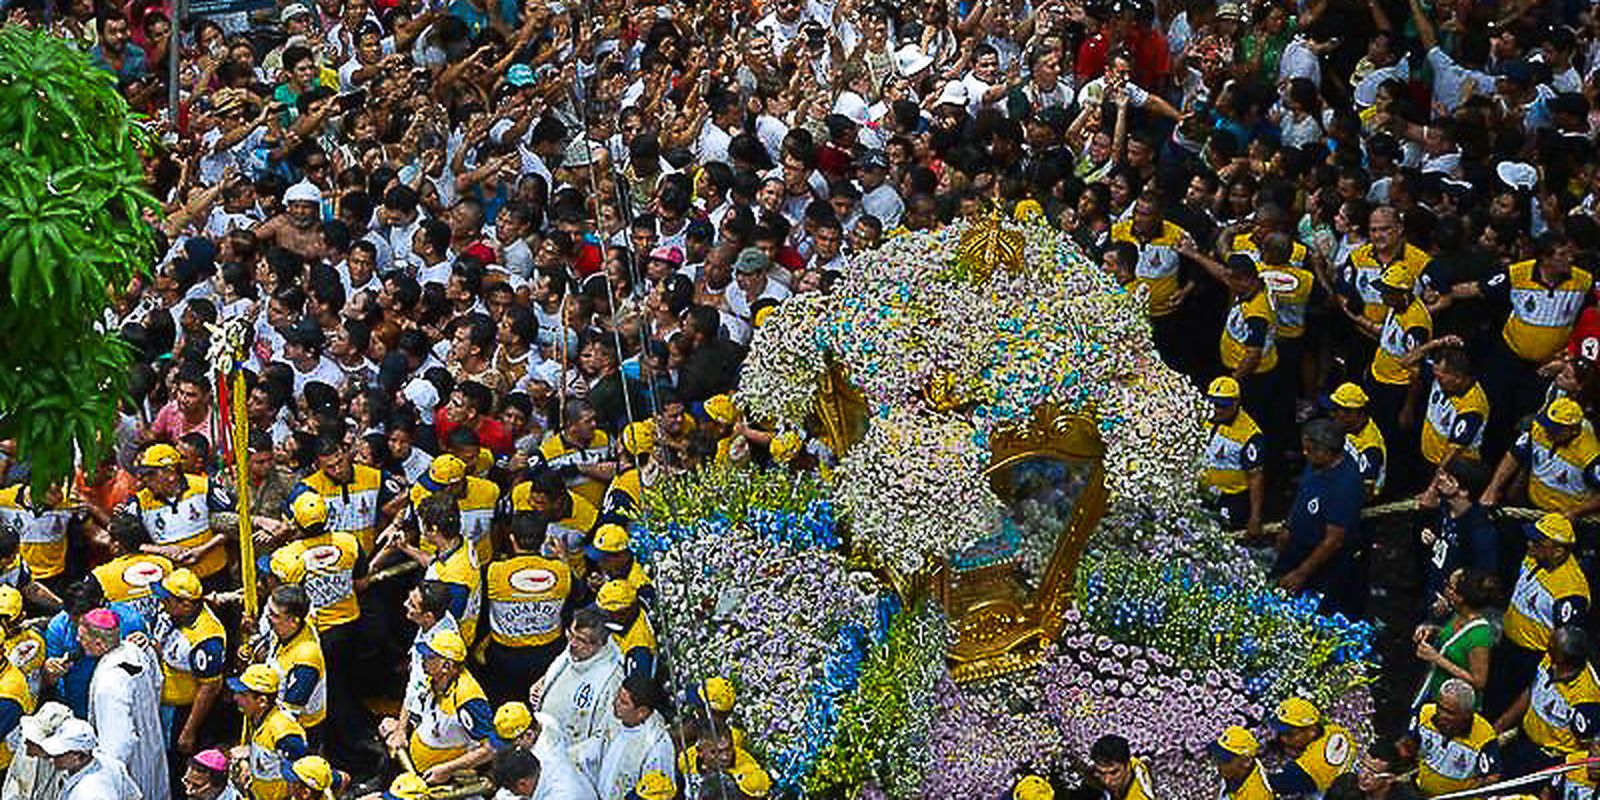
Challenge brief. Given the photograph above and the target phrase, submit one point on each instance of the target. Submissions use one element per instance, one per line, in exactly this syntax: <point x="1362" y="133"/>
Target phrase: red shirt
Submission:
<point x="491" y="433"/>
<point x="1151" y="59"/>
<point x="1584" y="344"/>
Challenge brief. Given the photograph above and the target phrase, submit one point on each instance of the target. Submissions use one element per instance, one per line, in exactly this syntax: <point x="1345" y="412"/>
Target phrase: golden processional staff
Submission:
<point x="227" y="357"/>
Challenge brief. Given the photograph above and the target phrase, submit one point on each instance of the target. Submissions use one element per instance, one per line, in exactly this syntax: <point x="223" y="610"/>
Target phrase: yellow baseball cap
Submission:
<point x="180" y="583"/>
<point x="639" y="437"/>
<point x="1223" y="388"/>
<point x="10" y="602"/>
<point x="512" y="719"/>
<point x="446" y="645"/>
<point x="309" y="509"/>
<point x="1033" y="787"/>
<point x="616" y="595"/>
<point x="1564" y="412"/>
<point x="1296" y="712"/>
<point x="447" y="469"/>
<point x="1027" y="210"/>
<point x="286" y="567"/>
<point x="718" y="694"/>
<point x="1235" y="741"/>
<point x="407" y="786"/>
<point x="720" y="407"/>
<point x="1395" y="279"/>
<point x="760" y="317"/>
<point x="160" y="455"/>
<point x="654" y="785"/>
<point x="1349" y="395"/>
<point x="1554" y="527"/>
<point x="609" y="539"/>
<point x="312" y="771"/>
<point x="258" y="678"/>
<point x="752" y="780"/>
<point x="785" y="446"/>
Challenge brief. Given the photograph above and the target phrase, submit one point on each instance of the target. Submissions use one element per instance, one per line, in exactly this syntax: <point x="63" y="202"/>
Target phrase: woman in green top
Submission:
<point x="1261" y="49"/>
<point x="1460" y="649"/>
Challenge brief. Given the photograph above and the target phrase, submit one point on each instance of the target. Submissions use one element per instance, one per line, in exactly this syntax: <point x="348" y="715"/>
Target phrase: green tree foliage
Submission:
<point x="72" y="232"/>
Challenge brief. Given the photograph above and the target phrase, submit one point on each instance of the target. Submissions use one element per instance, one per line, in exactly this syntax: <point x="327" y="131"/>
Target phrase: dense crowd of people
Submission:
<point x="497" y="266"/>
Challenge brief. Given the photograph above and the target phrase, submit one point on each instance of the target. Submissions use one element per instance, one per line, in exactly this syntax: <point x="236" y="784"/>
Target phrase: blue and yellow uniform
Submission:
<point x="1544" y="600"/>
<point x="1291" y="289"/>
<point x="1140" y="787"/>
<point x="1327" y="757"/>
<point x="453" y="722"/>
<point x="1560" y="478"/>
<point x="185" y="520"/>
<point x="1360" y="278"/>
<point x="558" y="454"/>
<point x="526" y="594"/>
<point x="277" y="741"/>
<point x="1157" y="269"/>
<point x="1562" y="715"/>
<point x="131" y="578"/>
<point x="1399" y="334"/>
<point x="26" y="650"/>
<point x="457" y="570"/>
<point x="1253" y="787"/>
<point x="1446" y="764"/>
<point x="42" y="532"/>
<point x="1577" y="784"/>
<point x="191" y="655"/>
<point x="1454" y="422"/>
<point x="1245" y="243"/>
<point x="16" y="700"/>
<point x="327" y="566"/>
<point x="624" y="497"/>
<point x="303" y="676"/>
<point x="1367" y="449"/>
<point x="353" y="507"/>
<point x="477" y="508"/>
<point x="1234" y="450"/>
<point x="1252" y="324"/>
<point x="1542" y="316"/>
<point x="572" y="531"/>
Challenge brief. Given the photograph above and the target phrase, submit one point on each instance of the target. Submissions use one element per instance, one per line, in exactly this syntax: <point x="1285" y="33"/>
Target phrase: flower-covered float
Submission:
<point x="1004" y="555"/>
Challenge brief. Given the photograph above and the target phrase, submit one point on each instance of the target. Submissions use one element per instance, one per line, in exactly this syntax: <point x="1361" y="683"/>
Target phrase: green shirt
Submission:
<point x="1481" y="633"/>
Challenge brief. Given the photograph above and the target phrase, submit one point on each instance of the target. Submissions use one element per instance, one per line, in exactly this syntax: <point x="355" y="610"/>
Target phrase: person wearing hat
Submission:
<point x="1458" y="410"/>
<point x="1033" y="787"/>
<point x="1118" y="772"/>
<point x="879" y="197"/>
<point x="125" y="699"/>
<point x="1562" y="457"/>
<point x="640" y="744"/>
<point x="1551" y="591"/>
<point x="474" y="501"/>
<point x="610" y="559"/>
<point x="1359" y="281"/>
<point x="715" y="750"/>
<point x="539" y="735"/>
<point x="580" y="452"/>
<point x="131" y="574"/>
<point x="313" y="778"/>
<point x="88" y="773"/>
<point x="630" y="627"/>
<point x="751" y="283"/>
<point x="1233" y="472"/>
<point x="194" y="651"/>
<point x="355" y="494"/>
<point x="187" y="520"/>
<point x="24" y="647"/>
<point x="276" y="739"/>
<point x="1243" y="777"/>
<point x="205" y="777"/>
<point x="1323" y="552"/>
<point x="1363" y="441"/>
<point x="527" y="594"/>
<point x="17" y="697"/>
<point x="1402" y="333"/>
<point x="449" y="561"/>
<point x="1320" y="750"/>
<point x="455" y="732"/>
<point x="1455" y="748"/>
<point x="1558" y="711"/>
<point x="625" y="495"/>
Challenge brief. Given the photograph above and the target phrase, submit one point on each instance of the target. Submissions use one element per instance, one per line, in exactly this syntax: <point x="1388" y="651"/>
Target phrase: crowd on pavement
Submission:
<point x="497" y="266"/>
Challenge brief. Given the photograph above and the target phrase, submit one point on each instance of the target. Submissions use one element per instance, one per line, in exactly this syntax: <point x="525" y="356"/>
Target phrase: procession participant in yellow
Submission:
<point x="452" y="562"/>
<point x="1321" y="750"/>
<point x="17" y="695"/>
<point x="1122" y="775"/>
<point x="1457" y="410"/>
<point x="610" y="559"/>
<point x="1402" y="329"/>
<point x="1455" y="748"/>
<point x="528" y="596"/>
<point x="630" y="628"/>
<point x="187" y="517"/>
<point x="131" y="575"/>
<point x="194" y="650"/>
<point x="1243" y="777"/>
<point x="356" y="494"/>
<point x="1033" y="787"/>
<point x="1363" y="441"/>
<point x="1387" y="248"/>
<point x="326" y="563"/>
<point x="579" y="452"/>
<point x="313" y="778"/>
<point x="1551" y="591"/>
<point x="570" y="517"/>
<point x="1582" y="783"/>
<point x="625" y="496"/>
<point x="1233" y="472"/>
<point x="475" y="501"/>
<point x="41" y="528"/>
<point x="456" y="731"/>
<point x="276" y="739"/>
<point x="1158" y="269"/>
<point x="717" y="696"/>
<point x="721" y="418"/>
<point x="1560" y="712"/>
<point x="1544" y="296"/>
<point x="1562" y="457"/>
<point x="295" y="653"/>
<point x="25" y="648"/>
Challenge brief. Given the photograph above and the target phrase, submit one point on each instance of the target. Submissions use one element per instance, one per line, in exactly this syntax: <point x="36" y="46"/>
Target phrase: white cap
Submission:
<point x="74" y="736"/>
<point x="39" y="725"/>
<point x="852" y="105"/>
<point x="954" y="93"/>
<point x="1517" y="175"/>
<point x="910" y="60"/>
<point x="303" y="192"/>
<point x="422" y="394"/>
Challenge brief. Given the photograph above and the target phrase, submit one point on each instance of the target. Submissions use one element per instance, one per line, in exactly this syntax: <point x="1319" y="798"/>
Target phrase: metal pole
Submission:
<point x="179" y="11"/>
